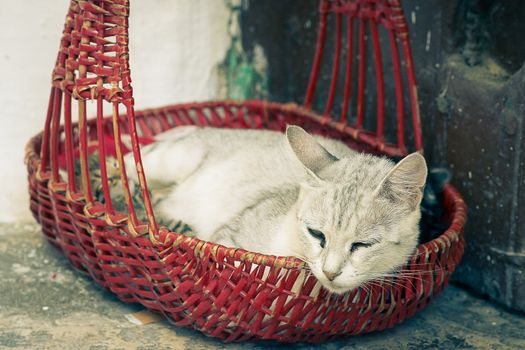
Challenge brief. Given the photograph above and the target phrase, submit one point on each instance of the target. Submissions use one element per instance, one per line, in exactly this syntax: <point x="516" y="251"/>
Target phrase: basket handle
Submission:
<point x="93" y="64"/>
<point x="371" y="15"/>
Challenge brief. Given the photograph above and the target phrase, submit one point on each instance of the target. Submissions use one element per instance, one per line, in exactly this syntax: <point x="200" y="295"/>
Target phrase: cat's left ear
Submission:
<point x="309" y="152"/>
<point x="403" y="185"/>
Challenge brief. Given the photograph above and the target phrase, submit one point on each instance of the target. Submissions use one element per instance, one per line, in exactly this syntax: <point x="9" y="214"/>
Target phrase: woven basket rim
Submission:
<point x="451" y="234"/>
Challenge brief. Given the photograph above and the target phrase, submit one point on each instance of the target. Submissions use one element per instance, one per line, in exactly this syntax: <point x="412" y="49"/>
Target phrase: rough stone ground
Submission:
<point x="45" y="304"/>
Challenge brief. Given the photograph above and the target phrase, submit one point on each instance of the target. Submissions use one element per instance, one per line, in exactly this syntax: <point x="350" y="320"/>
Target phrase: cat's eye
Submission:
<point x="317" y="235"/>
<point x="356" y="245"/>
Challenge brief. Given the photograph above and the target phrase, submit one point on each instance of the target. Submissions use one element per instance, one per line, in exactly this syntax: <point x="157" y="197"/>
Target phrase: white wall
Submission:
<point x="174" y="46"/>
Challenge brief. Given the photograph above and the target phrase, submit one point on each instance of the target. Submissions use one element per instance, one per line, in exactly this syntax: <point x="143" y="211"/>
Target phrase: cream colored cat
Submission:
<point x="352" y="217"/>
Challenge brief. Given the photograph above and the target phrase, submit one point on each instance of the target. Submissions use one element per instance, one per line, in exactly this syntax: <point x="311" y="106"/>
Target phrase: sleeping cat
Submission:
<point x="352" y="217"/>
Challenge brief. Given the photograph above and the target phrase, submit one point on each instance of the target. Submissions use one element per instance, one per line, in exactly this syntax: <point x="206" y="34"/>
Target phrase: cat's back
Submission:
<point x="238" y="167"/>
<point x="262" y="158"/>
<point x="256" y="141"/>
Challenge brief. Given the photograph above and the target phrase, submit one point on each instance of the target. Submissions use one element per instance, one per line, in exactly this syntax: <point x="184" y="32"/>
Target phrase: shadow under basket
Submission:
<point x="231" y="294"/>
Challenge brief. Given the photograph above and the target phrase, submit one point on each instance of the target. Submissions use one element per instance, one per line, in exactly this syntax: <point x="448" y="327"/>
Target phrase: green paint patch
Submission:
<point x="244" y="73"/>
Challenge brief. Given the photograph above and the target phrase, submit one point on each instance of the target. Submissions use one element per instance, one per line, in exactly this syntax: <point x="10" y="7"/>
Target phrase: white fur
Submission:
<point x="261" y="190"/>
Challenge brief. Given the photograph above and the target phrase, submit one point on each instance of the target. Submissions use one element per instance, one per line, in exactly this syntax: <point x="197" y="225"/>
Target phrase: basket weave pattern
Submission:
<point x="228" y="293"/>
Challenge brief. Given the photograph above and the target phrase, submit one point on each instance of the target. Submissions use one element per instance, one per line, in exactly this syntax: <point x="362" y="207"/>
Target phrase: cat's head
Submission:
<point x="357" y="217"/>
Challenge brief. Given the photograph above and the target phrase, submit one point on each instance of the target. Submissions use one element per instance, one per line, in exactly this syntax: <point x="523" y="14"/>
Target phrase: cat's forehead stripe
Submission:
<point x="359" y="175"/>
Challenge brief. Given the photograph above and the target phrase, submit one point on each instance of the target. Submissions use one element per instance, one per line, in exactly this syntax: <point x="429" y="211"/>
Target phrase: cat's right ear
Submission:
<point x="403" y="185"/>
<point x="309" y="152"/>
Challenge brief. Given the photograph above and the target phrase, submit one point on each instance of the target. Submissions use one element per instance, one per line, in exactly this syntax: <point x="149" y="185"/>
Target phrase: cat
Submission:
<point x="351" y="217"/>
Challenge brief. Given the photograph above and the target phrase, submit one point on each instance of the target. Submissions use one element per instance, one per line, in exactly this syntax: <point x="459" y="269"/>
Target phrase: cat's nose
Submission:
<point x="331" y="275"/>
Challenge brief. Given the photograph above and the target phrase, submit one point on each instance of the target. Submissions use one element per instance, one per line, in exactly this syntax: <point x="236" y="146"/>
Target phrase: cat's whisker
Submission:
<point x="394" y="283"/>
<point x="367" y="288"/>
<point x="411" y="281"/>
<point x="419" y="273"/>
<point x="410" y="273"/>
<point x="300" y="256"/>
<point x="378" y="284"/>
<point x="394" y="279"/>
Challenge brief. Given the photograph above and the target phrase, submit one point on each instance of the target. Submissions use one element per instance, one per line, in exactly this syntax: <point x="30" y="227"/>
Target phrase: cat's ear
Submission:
<point x="309" y="152"/>
<point x="403" y="185"/>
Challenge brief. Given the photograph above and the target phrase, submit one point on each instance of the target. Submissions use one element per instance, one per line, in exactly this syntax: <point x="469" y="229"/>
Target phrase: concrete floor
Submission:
<point x="45" y="304"/>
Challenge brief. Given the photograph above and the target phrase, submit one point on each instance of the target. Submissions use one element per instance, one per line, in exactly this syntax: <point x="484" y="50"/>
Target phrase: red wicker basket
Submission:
<point x="231" y="294"/>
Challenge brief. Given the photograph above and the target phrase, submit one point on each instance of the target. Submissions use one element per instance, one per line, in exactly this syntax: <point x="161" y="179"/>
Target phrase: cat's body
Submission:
<point x="288" y="196"/>
<point x="227" y="181"/>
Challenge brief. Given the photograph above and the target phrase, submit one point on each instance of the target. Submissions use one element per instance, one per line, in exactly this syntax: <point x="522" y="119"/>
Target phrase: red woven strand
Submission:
<point x="44" y="156"/>
<point x="413" y="95"/>
<point x="55" y="124"/>
<point x="314" y="75"/>
<point x="117" y="137"/>
<point x="380" y="89"/>
<point x="102" y="157"/>
<point x="83" y="153"/>
<point x="348" y="71"/>
<point x="335" y="66"/>
<point x="69" y="144"/>
<point x="398" y="90"/>
<point x="153" y="227"/>
<point x="361" y="75"/>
